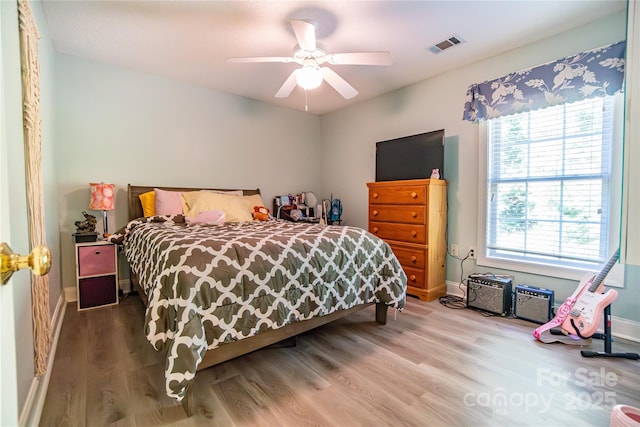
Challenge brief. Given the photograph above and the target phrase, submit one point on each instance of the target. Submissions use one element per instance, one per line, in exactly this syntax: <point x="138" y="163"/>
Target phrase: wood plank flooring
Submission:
<point x="429" y="366"/>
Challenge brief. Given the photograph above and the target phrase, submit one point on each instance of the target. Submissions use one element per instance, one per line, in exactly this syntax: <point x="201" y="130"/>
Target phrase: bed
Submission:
<point x="216" y="292"/>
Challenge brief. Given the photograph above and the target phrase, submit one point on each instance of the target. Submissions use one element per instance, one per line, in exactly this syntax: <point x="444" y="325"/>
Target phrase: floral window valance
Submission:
<point x="596" y="72"/>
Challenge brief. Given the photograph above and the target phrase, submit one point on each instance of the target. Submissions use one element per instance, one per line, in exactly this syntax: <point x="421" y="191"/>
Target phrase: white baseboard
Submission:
<point x="453" y="288"/>
<point x="70" y="294"/>
<point x="626" y="329"/>
<point x="124" y="285"/>
<point x="32" y="409"/>
<point x="620" y="328"/>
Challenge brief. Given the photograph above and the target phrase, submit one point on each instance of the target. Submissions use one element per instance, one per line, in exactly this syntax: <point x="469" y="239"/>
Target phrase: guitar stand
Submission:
<point x="606" y="336"/>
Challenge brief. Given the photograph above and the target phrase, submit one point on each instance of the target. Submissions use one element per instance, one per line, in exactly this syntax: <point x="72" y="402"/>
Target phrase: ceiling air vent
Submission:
<point x="446" y="44"/>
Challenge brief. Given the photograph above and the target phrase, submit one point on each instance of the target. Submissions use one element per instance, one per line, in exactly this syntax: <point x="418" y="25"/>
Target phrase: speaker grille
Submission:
<point x="534" y="304"/>
<point x="489" y="294"/>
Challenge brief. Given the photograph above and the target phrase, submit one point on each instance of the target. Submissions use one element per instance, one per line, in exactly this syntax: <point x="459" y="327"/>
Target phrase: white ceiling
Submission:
<point x="190" y="40"/>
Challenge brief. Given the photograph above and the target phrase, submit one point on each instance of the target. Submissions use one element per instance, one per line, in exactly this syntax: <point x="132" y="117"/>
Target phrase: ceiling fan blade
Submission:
<point x="338" y="83"/>
<point x="306" y="35"/>
<point x="261" y="59"/>
<point x="288" y="86"/>
<point x="361" y="58"/>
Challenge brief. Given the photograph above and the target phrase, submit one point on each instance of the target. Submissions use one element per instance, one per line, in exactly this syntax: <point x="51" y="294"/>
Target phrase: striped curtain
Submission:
<point x="29" y="36"/>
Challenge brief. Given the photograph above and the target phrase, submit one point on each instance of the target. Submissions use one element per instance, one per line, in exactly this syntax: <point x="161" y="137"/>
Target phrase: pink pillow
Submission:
<point x="214" y="217"/>
<point x="168" y="202"/>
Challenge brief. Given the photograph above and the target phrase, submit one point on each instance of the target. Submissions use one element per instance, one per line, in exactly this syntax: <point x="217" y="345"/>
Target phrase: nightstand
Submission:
<point x="96" y="274"/>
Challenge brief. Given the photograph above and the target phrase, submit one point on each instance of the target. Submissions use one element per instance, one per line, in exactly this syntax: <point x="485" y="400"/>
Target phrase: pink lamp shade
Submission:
<point x="102" y="199"/>
<point x="102" y="196"/>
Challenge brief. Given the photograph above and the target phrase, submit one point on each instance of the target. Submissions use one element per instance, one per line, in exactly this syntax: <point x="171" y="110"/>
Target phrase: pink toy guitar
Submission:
<point x="584" y="318"/>
<point x="542" y="333"/>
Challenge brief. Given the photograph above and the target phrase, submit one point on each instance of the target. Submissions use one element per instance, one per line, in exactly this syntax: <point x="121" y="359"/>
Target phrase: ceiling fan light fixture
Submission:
<point x="309" y="77"/>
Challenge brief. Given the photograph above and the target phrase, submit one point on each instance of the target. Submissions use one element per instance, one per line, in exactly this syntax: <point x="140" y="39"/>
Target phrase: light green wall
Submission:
<point x="349" y="138"/>
<point x="125" y="127"/>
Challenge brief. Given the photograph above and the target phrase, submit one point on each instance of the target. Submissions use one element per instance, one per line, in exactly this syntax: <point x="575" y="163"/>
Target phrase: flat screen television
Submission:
<point x="410" y="157"/>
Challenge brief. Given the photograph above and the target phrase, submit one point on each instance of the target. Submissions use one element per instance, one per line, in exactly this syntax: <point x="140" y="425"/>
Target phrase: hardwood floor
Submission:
<point x="429" y="366"/>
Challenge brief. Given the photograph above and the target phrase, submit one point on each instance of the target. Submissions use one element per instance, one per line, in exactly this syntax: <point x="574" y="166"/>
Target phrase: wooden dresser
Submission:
<point x="411" y="216"/>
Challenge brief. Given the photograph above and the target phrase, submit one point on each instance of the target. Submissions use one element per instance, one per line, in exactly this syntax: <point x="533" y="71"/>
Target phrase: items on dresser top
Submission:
<point x="411" y="215"/>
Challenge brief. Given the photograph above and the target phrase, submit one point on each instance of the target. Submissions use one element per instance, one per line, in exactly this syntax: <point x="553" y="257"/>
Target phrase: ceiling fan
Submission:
<point x="311" y="57"/>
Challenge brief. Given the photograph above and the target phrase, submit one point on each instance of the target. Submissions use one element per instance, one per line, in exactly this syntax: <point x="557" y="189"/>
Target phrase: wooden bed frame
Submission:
<point x="247" y="345"/>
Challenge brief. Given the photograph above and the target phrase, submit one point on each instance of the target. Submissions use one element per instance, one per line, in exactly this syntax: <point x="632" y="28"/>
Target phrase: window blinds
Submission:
<point x="548" y="183"/>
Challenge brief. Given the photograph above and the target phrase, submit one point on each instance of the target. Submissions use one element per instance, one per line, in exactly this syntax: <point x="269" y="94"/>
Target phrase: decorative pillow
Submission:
<point x="227" y="192"/>
<point x="213" y="217"/>
<point x="192" y="195"/>
<point x="148" y="201"/>
<point x="168" y="202"/>
<point x="235" y="208"/>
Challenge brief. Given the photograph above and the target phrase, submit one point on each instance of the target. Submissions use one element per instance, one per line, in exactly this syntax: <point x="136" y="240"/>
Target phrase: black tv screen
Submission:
<point x="410" y="157"/>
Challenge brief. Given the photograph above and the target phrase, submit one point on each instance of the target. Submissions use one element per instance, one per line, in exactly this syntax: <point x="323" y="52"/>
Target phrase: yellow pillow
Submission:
<point x="186" y="196"/>
<point x="148" y="201"/>
<point x="235" y="208"/>
<point x="185" y="200"/>
<point x="253" y="200"/>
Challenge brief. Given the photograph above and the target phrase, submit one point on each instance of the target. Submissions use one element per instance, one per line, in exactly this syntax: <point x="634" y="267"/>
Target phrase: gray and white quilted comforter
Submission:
<point x="209" y="285"/>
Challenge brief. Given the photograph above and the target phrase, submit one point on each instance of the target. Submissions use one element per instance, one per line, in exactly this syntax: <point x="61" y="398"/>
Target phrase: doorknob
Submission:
<point x="39" y="261"/>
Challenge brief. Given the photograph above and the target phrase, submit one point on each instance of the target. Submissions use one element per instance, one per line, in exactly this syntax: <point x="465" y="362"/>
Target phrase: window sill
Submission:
<point x="615" y="278"/>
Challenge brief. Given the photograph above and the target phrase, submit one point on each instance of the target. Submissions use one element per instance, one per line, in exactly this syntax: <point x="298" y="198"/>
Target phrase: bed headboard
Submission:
<point x="135" y="206"/>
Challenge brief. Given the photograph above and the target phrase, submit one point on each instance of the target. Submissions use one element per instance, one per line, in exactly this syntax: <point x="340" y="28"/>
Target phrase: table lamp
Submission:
<point x="102" y="199"/>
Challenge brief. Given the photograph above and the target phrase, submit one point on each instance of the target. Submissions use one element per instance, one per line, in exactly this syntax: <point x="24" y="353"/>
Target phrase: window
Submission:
<point x="551" y="198"/>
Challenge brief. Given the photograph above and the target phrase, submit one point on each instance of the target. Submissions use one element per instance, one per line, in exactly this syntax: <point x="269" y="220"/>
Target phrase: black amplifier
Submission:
<point x="489" y="293"/>
<point x="532" y="303"/>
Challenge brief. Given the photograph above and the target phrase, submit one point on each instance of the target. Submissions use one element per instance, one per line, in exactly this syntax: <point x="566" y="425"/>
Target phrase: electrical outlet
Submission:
<point x="454" y="249"/>
<point x="472" y="252"/>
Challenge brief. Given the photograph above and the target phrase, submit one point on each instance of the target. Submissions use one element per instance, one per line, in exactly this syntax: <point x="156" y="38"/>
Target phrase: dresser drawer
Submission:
<point x="389" y="213"/>
<point x="96" y="260"/>
<point x="412" y="233"/>
<point x="399" y="195"/>
<point x="409" y="256"/>
<point x="415" y="277"/>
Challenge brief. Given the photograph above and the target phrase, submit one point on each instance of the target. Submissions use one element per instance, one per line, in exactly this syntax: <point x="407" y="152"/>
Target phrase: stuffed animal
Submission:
<point x="212" y="217"/>
<point x="260" y="213"/>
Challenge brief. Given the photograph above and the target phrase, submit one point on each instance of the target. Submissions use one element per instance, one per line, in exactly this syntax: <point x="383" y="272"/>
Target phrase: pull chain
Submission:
<point x="306" y="105"/>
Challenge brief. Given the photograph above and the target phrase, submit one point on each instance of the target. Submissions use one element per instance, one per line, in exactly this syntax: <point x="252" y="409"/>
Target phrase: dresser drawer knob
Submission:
<point x="414" y="215"/>
<point x="375" y="213"/>
<point x="414" y="259"/>
<point x="375" y="195"/>
<point x="412" y="277"/>
<point x="414" y="233"/>
<point x="375" y="229"/>
<point x="414" y="195"/>
<point x="97" y="252"/>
